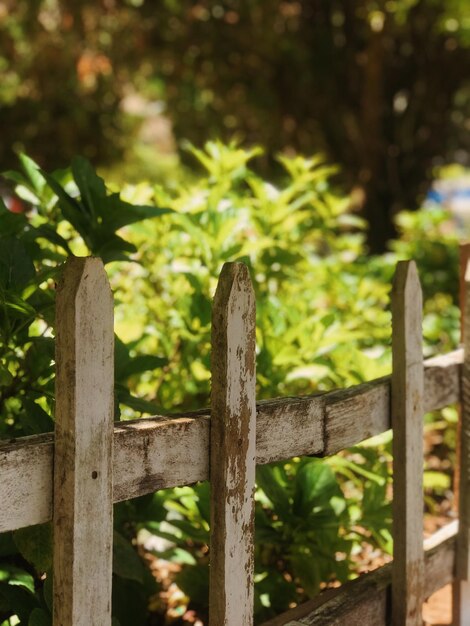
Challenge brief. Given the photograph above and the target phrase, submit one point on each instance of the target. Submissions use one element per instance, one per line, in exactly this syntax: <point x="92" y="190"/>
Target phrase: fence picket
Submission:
<point x="82" y="491"/>
<point x="461" y="591"/>
<point x="407" y="421"/>
<point x="83" y="504"/>
<point x="232" y="449"/>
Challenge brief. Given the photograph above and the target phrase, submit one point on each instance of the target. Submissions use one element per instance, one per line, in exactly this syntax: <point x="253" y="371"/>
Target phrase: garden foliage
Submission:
<point x="323" y="321"/>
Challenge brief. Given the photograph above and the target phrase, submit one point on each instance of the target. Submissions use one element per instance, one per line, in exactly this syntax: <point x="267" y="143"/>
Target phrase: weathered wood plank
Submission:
<point x="233" y="449"/>
<point x="26" y="481"/>
<point x="158" y="452"/>
<point x="354" y="414"/>
<point x="461" y="591"/>
<point x="407" y="391"/>
<point x="464" y="257"/>
<point x="363" y="601"/>
<point x="289" y="427"/>
<point x="83" y="504"/>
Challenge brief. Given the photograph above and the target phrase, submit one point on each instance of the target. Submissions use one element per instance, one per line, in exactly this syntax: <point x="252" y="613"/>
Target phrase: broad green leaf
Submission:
<point x="33" y="173"/>
<point x="16" y="306"/>
<point x="16" y="265"/>
<point x="194" y="581"/>
<point x="139" y="404"/>
<point x="110" y="247"/>
<point x="72" y="210"/>
<point x="11" y="224"/>
<point x="36" y="420"/>
<point x="7" y="545"/>
<point x="117" y="213"/>
<point x="268" y="479"/>
<point x="126" y="562"/>
<point x="130" y="602"/>
<point x="51" y="234"/>
<point x="305" y="566"/>
<point x="6" y="377"/>
<point x="315" y="485"/>
<point x="139" y="364"/>
<point x="35" y="544"/>
<point x="17" y="599"/>
<point x="91" y="186"/>
<point x="16" y="576"/>
<point x="39" y="617"/>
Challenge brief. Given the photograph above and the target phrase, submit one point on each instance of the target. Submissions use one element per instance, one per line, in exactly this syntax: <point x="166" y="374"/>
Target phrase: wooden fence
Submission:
<point x="75" y="476"/>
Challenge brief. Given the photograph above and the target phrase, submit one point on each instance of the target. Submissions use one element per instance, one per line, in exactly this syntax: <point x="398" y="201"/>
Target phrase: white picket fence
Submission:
<point x="74" y="476"/>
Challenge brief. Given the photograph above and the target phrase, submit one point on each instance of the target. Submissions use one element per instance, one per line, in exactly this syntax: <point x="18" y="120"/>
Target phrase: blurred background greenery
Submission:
<point x="317" y="141"/>
<point x="380" y="87"/>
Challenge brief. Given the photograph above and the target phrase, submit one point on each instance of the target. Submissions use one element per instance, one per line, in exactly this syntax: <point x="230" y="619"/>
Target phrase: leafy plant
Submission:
<point x="71" y="211"/>
<point x="323" y="321"/>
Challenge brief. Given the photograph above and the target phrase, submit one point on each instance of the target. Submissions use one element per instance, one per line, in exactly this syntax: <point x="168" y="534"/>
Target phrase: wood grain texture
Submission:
<point x="364" y="601"/>
<point x="460" y="602"/>
<point x="407" y="390"/>
<point x="83" y="504"/>
<point x="158" y="452"/>
<point x="463" y="561"/>
<point x="464" y="258"/>
<point x="233" y="449"/>
<point x="461" y="590"/>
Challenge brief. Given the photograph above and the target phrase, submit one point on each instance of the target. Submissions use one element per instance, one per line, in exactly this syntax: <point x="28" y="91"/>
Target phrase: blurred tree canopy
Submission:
<point x="381" y="87"/>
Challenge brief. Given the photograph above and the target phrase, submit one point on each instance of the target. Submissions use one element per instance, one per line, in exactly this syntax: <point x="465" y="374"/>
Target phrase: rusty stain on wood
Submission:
<point x="232" y="449"/>
<point x="83" y="504"/>
<point x="407" y="393"/>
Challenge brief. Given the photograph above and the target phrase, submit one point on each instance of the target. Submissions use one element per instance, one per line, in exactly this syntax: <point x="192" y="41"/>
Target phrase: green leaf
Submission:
<point x="16" y="576"/>
<point x="36" y="420"/>
<point x="16" y="265"/>
<point x="315" y="486"/>
<point x="35" y="544"/>
<point x="139" y="364"/>
<point x="33" y="173"/>
<point x="71" y="209"/>
<point x="138" y="404"/>
<point x="126" y="562"/>
<point x="91" y="186"/>
<point x="110" y="247"/>
<point x="117" y="213"/>
<point x="17" y="599"/>
<point x="7" y="545"/>
<point x="51" y="234"/>
<point x="16" y="305"/>
<point x="268" y="479"/>
<point x="194" y="581"/>
<point x="308" y="572"/>
<point x="15" y="177"/>
<point x="6" y="377"/>
<point x="130" y="602"/>
<point x="11" y="224"/>
<point x="39" y="617"/>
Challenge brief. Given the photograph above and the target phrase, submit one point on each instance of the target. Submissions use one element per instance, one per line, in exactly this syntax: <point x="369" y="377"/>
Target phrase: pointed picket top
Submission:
<point x="406" y="281"/>
<point x="233" y="449"/>
<point x="83" y="505"/>
<point x="407" y="421"/>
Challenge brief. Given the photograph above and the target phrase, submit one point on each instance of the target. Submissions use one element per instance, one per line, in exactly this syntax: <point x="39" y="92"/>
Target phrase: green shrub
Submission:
<point x="322" y="322"/>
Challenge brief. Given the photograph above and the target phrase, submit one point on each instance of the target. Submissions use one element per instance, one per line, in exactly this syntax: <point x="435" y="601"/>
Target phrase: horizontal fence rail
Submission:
<point x="364" y="601"/>
<point x="75" y="476"/>
<point x="157" y="452"/>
